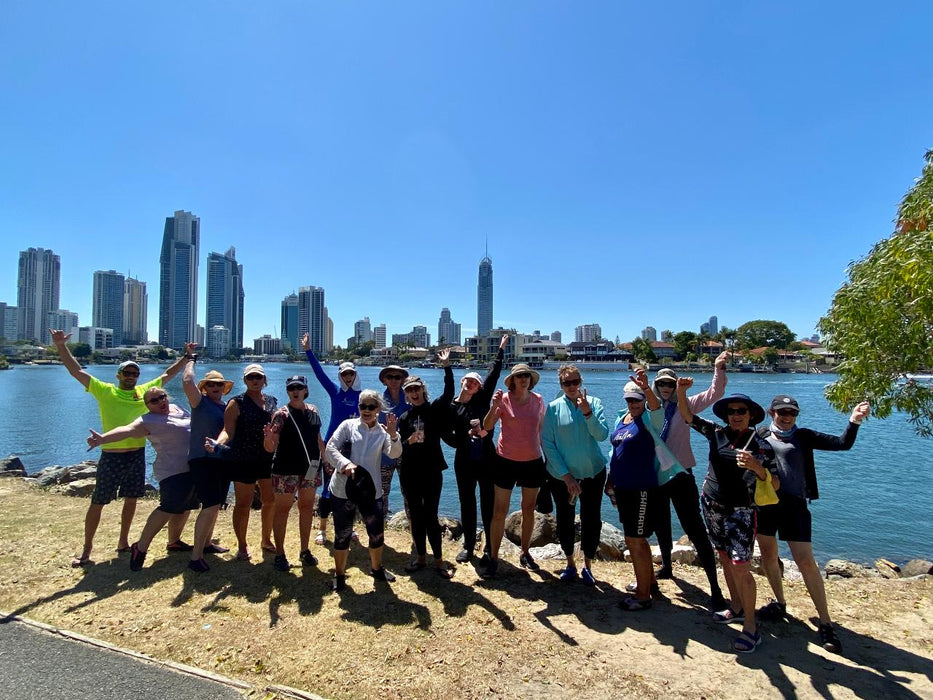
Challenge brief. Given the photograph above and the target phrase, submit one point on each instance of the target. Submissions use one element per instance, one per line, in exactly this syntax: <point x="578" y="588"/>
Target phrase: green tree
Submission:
<point x="79" y="350"/>
<point x="881" y="320"/>
<point x="770" y="356"/>
<point x="684" y="342"/>
<point x="643" y="351"/>
<point x="755" y="334"/>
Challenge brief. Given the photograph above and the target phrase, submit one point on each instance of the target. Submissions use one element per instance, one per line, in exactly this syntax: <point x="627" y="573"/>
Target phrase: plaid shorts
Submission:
<point x="120" y="474"/>
<point x="731" y="529"/>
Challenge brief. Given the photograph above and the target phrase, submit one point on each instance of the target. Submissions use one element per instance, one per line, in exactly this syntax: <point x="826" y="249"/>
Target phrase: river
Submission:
<point x="876" y="500"/>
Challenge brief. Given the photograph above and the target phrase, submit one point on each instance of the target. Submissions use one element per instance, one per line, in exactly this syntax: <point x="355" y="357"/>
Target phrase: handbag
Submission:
<point x="765" y="495"/>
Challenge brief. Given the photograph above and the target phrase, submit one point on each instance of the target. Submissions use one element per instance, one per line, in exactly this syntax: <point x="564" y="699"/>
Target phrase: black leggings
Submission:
<point x="344" y="511"/>
<point x="682" y="492"/>
<point x="422" y="491"/>
<point x="591" y="498"/>
<point x="469" y="473"/>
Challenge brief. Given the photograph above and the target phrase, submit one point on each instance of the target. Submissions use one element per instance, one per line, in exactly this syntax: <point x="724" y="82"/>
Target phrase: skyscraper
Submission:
<point x="37" y="292"/>
<point x="448" y="332"/>
<point x="312" y="317"/>
<point x="290" y="338"/>
<point x="178" y="279"/>
<point x="135" y="312"/>
<point x="225" y="295"/>
<point x="362" y="331"/>
<point x="713" y="325"/>
<point x="107" y="307"/>
<point x="66" y="321"/>
<point x="379" y="336"/>
<point x="588" y="332"/>
<point x="484" y="298"/>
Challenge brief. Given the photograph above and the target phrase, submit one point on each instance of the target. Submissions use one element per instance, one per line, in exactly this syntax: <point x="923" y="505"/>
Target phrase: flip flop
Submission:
<point x="124" y="550"/>
<point x="746" y="643"/>
<point x="444" y="572"/>
<point x="269" y="548"/>
<point x="78" y="562"/>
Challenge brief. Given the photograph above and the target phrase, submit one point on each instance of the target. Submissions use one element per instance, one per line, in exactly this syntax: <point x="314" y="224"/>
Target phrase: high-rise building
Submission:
<point x="713" y="325"/>
<point x="448" y="332"/>
<point x="178" y="279"/>
<point x="200" y="335"/>
<point x="649" y="333"/>
<point x="107" y="307"/>
<point x="418" y="337"/>
<point x="37" y="293"/>
<point x="484" y="298"/>
<point x="267" y="345"/>
<point x="62" y="319"/>
<point x="362" y="331"/>
<point x="218" y="341"/>
<point x="312" y="318"/>
<point x="97" y="338"/>
<point x="225" y="295"/>
<point x="588" y="332"/>
<point x="556" y="337"/>
<point x="8" y="318"/>
<point x="328" y="332"/>
<point x="379" y="336"/>
<point x="290" y="338"/>
<point x="135" y="312"/>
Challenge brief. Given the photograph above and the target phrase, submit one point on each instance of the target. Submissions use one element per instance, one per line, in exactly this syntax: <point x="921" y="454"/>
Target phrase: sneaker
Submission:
<point x="179" y="546"/>
<point x="463" y="556"/>
<point x="281" y="563"/>
<point x="136" y="557"/>
<point x="724" y="617"/>
<point x="214" y="548"/>
<point x="339" y="583"/>
<point x="383" y="575"/>
<point x="528" y="562"/>
<point x="320" y="538"/>
<point x="633" y="604"/>
<point x="569" y="574"/>
<point x="587" y="577"/>
<point x="492" y="568"/>
<point x="664" y="573"/>
<point x="307" y="559"/>
<point x="655" y="588"/>
<point x="198" y="565"/>
<point x="773" y="611"/>
<point x="828" y="639"/>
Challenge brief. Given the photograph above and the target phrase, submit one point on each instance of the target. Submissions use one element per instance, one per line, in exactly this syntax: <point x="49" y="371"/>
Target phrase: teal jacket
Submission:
<point x="571" y="442"/>
<point x="665" y="462"/>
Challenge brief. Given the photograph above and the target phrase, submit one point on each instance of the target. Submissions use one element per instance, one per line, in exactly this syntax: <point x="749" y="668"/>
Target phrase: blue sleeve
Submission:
<point x="556" y="465"/>
<point x="326" y="382"/>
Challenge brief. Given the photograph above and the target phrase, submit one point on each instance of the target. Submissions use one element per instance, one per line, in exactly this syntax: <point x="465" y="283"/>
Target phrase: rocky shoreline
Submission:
<point x="78" y="480"/>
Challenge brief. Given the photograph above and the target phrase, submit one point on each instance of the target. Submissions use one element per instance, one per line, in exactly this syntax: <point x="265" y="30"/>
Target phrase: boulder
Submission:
<point x="399" y="521"/>
<point x="684" y="539"/>
<point x="82" y="488"/>
<point x="451" y="527"/>
<point x="548" y="551"/>
<point x="887" y="569"/>
<point x="916" y="567"/>
<point x="845" y="569"/>
<point x="78" y="472"/>
<point x="12" y="466"/>
<point x="49" y="476"/>
<point x="611" y="543"/>
<point x="509" y="550"/>
<point x="684" y="554"/>
<point x="655" y="555"/>
<point x="544" y="531"/>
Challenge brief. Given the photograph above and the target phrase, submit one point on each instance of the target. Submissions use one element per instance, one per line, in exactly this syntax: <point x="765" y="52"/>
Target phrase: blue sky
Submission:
<point x="629" y="165"/>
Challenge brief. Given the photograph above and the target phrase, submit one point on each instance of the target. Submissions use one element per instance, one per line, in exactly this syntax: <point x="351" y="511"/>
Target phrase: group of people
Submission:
<point x="758" y="483"/>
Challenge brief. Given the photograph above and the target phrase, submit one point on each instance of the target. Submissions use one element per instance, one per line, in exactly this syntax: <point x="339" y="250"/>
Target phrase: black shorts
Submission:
<point x="789" y="518"/>
<point x="120" y="474"/>
<point x="528" y="475"/>
<point x="177" y="494"/>
<point x="211" y="480"/>
<point x="637" y="511"/>
<point x="249" y="471"/>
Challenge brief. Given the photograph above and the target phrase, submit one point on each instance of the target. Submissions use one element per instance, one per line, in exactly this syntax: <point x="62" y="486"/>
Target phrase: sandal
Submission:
<point x="243" y="555"/>
<point x="124" y="550"/>
<point x="724" y="617"/>
<point x="746" y="643"/>
<point x="79" y="561"/>
<point x="633" y="604"/>
<point x="320" y="538"/>
<point x="444" y="571"/>
<point x="414" y="566"/>
<point x="828" y="639"/>
<point x="269" y="548"/>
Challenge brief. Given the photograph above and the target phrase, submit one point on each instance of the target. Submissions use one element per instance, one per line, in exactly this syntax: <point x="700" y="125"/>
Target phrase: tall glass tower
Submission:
<point x="484" y="298"/>
<point x="225" y="295"/>
<point x="107" y="308"/>
<point x="178" y="280"/>
<point x="37" y="293"/>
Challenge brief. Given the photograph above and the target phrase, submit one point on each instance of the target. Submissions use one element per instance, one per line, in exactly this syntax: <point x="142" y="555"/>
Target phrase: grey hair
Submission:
<point x="370" y="394"/>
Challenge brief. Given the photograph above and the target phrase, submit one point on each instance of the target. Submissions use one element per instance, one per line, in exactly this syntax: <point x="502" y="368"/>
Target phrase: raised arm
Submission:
<point x="177" y="366"/>
<point x="495" y="408"/>
<point x="189" y="385"/>
<point x="60" y="339"/>
<point x="326" y="382"/>
<point x="489" y="384"/>
<point x="136" y="429"/>
<point x="836" y="443"/>
<point x="683" y="406"/>
<point x="641" y="379"/>
<point x="717" y="387"/>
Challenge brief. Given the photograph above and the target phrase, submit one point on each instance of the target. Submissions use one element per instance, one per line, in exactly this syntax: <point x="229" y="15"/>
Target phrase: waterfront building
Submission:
<point x="289" y="325"/>
<point x="200" y="337"/>
<point x="37" y="293"/>
<point x="98" y="338"/>
<point x="107" y="306"/>
<point x="588" y="332"/>
<point x="649" y="333"/>
<point x="178" y="279"/>
<point x="218" y="342"/>
<point x="225" y="295"/>
<point x="135" y="312"/>
<point x="267" y="345"/>
<point x="597" y="350"/>
<point x="312" y="317"/>
<point x="663" y="350"/>
<point x="448" y="332"/>
<point x="483" y="349"/>
<point x="379" y="336"/>
<point x="362" y="332"/>
<point x="64" y="320"/>
<point x="484" y="297"/>
<point x="328" y="332"/>
<point x="417" y="337"/>
<point x="536" y="350"/>
<point x="8" y="319"/>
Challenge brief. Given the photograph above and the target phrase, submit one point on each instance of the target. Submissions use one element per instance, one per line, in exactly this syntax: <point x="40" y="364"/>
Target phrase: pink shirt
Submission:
<point x="520" y="434"/>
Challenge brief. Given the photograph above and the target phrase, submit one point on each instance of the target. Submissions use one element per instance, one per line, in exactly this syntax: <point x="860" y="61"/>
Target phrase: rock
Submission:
<point x="887" y="569"/>
<point x="685" y="540"/>
<point x="611" y="543"/>
<point x="544" y="531"/>
<point x="451" y="527"/>
<point x="916" y="567"/>
<point x="548" y="551"/>
<point x="508" y="549"/>
<point x="12" y="466"/>
<point x="655" y="555"/>
<point x="845" y="569"/>
<point x="684" y="554"/>
<point x="82" y="488"/>
<point x="399" y="521"/>
<point x="49" y="476"/>
<point x="78" y="472"/>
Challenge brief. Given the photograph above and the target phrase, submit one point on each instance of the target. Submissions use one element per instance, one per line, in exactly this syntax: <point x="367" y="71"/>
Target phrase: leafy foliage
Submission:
<point x="755" y="334"/>
<point x="881" y="319"/>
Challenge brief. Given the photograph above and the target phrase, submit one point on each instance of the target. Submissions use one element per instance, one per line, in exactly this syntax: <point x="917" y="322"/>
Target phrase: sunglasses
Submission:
<point x="634" y="400"/>
<point x="394" y="377"/>
<point x="736" y="411"/>
<point x="786" y="412"/>
<point x="213" y="384"/>
<point x="158" y="399"/>
<point x="252" y="377"/>
<point x="129" y="374"/>
<point x="522" y="375"/>
<point x="572" y="382"/>
<point x="669" y="385"/>
<point x="368" y="407"/>
<point x="295" y="387"/>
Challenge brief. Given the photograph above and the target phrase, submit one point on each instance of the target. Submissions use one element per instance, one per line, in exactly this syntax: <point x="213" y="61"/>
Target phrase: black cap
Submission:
<point x="296" y="380"/>
<point x="784" y="401"/>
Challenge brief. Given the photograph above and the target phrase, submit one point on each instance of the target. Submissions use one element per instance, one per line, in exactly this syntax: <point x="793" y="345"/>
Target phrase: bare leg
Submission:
<point x="497" y="527"/>
<point x="283" y="505"/>
<point x="529" y="497"/>
<point x="91" y="522"/>
<point x="641" y="562"/>
<point x="375" y="557"/>
<point x="730" y="580"/>
<point x="176" y="525"/>
<point x="203" y="529"/>
<point x="154" y="523"/>
<point x="126" y="520"/>
<point x="340" y="561"/>
<point x="267" y="514"/>
<point x="244" y="501"/>
<point x="803" y="556"/>
<point x="305" y="517"/>
<point x="771" y="564"/>
<point x="745" y="586"/>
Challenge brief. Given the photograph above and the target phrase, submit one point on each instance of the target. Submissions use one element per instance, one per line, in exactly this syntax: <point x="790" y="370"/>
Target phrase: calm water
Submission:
<point x="876" y="500"/>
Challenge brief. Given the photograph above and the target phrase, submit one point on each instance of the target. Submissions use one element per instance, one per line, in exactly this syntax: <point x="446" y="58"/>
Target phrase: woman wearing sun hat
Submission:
<point x="245" y="417"/>
<point x="520" y="461"/>
<point x="737" y="457"/>
<point x="211" y="476"/>
<point x="391" y="377"/>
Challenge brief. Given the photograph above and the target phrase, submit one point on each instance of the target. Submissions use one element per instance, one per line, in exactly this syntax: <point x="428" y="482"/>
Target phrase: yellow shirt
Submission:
<point x="119" y="407"/>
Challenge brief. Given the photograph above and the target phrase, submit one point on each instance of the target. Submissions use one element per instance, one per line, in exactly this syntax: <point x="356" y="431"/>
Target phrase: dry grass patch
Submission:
<point x="519" y="635"/>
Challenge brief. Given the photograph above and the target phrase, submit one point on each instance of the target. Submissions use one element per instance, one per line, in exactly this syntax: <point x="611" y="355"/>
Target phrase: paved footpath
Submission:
<point x="40" y="665"/>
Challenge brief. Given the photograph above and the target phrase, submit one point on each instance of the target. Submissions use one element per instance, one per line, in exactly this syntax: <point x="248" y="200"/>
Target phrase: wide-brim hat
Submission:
<point x="522" y="368"/>
<point x="392" y="368"/>
<point x="756" y="412"/>
<point x="215" y="376"/>
<point x="360" y="487"/>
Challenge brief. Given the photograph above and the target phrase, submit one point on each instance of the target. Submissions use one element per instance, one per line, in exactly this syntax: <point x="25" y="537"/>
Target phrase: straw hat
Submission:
<point x="522" y="368"/>
<point x="215" y="376"/>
